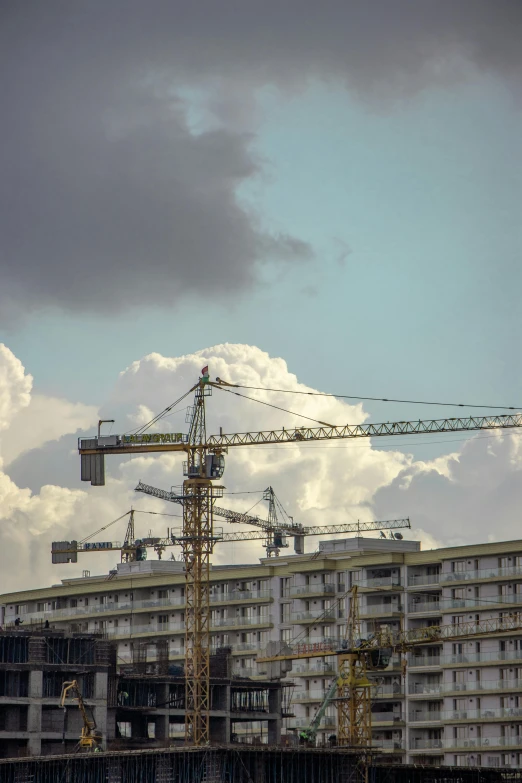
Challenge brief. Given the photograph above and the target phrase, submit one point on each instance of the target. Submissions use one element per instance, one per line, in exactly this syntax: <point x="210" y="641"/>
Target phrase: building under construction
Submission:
<point x="141" y="707"/>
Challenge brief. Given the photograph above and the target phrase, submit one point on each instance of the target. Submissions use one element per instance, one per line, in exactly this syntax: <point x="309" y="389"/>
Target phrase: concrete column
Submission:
<point x="161" y="721"/>
<point x="101" y="680"/>
<point x="34" y="713"/>
<point x="275" y="707"/>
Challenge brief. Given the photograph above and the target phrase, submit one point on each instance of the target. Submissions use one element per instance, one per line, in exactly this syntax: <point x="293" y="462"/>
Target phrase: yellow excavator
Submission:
<point x="90" y="739"/>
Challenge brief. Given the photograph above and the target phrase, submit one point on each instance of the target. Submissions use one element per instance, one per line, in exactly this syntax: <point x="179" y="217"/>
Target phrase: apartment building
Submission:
<point x="456" y="702"/>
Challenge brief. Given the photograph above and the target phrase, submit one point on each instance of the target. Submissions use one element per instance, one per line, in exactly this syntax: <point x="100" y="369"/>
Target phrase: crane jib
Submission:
<point x="383" y="429"/>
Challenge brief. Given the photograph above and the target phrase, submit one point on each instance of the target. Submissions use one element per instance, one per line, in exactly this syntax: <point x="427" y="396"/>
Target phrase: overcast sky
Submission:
<point x="335" y="189"/>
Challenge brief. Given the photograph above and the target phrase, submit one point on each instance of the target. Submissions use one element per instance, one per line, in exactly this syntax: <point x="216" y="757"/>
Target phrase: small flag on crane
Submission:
<point x="204" y="372"/>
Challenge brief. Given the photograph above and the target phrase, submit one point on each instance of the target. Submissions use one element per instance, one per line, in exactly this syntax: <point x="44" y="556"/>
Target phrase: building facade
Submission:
<point x="451" y="702"/>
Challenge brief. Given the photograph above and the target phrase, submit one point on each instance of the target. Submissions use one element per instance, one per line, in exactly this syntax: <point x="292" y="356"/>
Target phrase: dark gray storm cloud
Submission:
<point x="107" y="198"/>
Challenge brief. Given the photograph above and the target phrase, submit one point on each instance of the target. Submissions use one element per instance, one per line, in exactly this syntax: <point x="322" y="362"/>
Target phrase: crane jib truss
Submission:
<point x="205" y="464"/>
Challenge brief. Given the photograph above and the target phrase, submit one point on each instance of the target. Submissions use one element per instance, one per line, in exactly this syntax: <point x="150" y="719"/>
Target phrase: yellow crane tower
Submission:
<point x="357" y="655"/>
<point x="204" y="467"/>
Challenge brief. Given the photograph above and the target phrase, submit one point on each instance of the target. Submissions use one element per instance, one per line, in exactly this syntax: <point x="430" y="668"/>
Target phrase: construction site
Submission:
<point x="365" y="660"/>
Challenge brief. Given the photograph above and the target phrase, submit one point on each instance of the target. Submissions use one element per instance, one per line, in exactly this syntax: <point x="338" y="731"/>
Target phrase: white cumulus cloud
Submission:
<point x="464" y="496"/>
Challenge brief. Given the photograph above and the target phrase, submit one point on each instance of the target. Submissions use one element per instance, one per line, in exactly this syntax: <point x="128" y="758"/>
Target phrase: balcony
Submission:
<point x="387" y="744"/>
<point x="126" y="631"/>
<point x="449" y="604"/>
<point x="481" y="657"/>
<point x="418" y="580"/>
<point x="420" y="716"/>
<point x="300" y="591"/>
<point x="483" y="742"/>
<point x="375" y="582"/>
<point x="387" y="717"/>
<point x="316" y="615"/>
<point x="381" y="610"/>
<point x="483" y="685"/>
<point x="419" y="743"/>
<point x="241" y="595"/>
<point x="316" y="670"/>
<point x="424" y="607"/>
<point x="484" y="573"/>
<point x="509" y="713"/>
<point x="425" y="688"/>
<point x="387" y="691"/>
<point x="309" y="695"/>
<point x="416" y="661"/>
<point x="233" y="622"/>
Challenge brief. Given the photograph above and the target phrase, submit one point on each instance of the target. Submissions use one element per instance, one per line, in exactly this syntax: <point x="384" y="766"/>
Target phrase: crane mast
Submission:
<point x="199" y="495"/>
<point x="204" y="465"/>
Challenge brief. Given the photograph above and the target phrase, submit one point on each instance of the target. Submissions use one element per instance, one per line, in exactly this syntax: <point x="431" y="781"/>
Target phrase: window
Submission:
<point x="163" y="619"/>
<point x="458" y="619"/>
<point x="21" y="609"/>
<point x="286" y="635"/>
<point x="163" y="594"/>
<point x="124" y="728"/>
<point x="73" y="603"/>
<point x="176" y="729"/>
<point x="40" y="607"/>
<point x="458" y="565"/>
<point x="284" y="613"/>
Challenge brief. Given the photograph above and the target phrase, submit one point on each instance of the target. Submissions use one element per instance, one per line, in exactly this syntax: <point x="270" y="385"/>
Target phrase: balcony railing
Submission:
<point x="419" y="743"/>
<point x="424" y="607"/>
<point x="311" y="695"/>
<point x="387" y="744"/>
<point x="418" y="716"/>
<point x="485" y="714"/>
<point x="423" y="579"/>
<point x="482" y="742"/>
<point x="316" y="669"/>
<point x="318" y="589"/>
<point x="481" y="657"/>
<point x="382" y="609"/>
<point x="483" y="573"/>
<point x="124" y="631"/>
<point x="240" y="595"/>
<point x="469" y="603"/>
<point x="385" y="691"/>
<point x="387" y="717"/>
<point x="220" y="622"/>
<point x="320" y="615"/>
<point x="428" y="688"/>
<point x="483" y="685"/>
<point x="378" y="581"/>
<point x="423" y="660"/>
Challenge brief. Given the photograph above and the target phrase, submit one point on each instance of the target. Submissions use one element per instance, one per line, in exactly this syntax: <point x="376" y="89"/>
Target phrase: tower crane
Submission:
<point x="357" y="655"/>
<point x="203" y="468"/>
<point x="133" y="548"/>
<point x="276" y="530"/>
